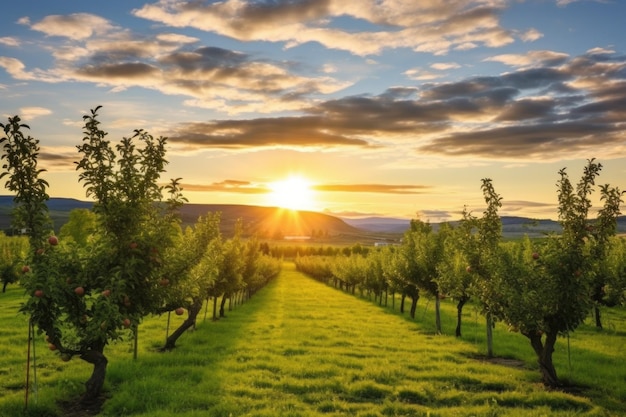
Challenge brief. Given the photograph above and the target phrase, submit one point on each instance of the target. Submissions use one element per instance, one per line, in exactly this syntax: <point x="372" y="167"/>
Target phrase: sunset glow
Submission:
<point x="292" y="193"/>
<point x="391" y="108"/>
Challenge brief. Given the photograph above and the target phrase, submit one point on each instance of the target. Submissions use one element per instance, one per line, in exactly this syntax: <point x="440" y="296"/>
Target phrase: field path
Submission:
<point x="299" y="348"/>
<point x="311" y="350"/>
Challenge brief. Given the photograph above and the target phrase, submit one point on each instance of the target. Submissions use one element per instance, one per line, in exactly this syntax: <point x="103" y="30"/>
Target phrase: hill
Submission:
<point x="266" y="222"/>
<point x="277" y="223"/>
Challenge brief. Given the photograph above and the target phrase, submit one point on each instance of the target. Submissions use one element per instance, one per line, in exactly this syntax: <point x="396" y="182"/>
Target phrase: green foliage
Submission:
<point x="13" y="250"/>
<point x="87" y="291"/>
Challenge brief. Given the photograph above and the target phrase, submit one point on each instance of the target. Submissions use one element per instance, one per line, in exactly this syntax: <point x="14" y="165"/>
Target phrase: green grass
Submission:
<point x="300" y="348"/>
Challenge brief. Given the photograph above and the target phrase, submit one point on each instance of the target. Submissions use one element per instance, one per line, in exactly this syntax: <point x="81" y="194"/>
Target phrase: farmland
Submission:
<point x="301" y="348"/>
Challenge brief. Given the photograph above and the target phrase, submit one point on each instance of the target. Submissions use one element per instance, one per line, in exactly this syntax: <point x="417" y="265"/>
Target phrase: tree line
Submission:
<point x="542" y="288"/>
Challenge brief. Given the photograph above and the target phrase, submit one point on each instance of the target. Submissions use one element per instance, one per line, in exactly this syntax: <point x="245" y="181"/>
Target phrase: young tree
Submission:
<point x="191" y="267"/>
<point x="481" y="250"/>
<point x="85" y="296"/>
<point x="543" y="289"/>
<point x="455" y="278"/>
<point x="428" y="251"/>
<point x="607" y="286"/>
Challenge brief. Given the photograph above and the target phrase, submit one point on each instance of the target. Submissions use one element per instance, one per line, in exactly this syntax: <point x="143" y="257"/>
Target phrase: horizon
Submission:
<point x="385" y="109"/>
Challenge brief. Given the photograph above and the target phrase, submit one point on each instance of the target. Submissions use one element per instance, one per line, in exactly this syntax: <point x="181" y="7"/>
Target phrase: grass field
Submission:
<point x="300" y="348"/>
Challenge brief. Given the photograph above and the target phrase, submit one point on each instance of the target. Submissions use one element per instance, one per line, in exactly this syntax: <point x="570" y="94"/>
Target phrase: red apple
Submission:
<point x="53" y="240"/>
<point x="38" y="293"/>
<point x="164" y="282"/>
<point x="25" y="269"/>
<point x="40" y="251"/>
<point x="52" y="346"/>
<point x="106" y="293"/>
<point x="126" y="323"/>
<point x="179" y="311"/>
<point x="126" y="301"/>
<point x="133" y="245"/>
<point x="468" y="268"/>
<point x="535" y="256"/>
<point x="80" y="291"/>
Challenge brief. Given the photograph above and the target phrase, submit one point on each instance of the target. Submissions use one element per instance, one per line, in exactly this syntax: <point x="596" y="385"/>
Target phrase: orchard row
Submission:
<point x="542" y="288"/>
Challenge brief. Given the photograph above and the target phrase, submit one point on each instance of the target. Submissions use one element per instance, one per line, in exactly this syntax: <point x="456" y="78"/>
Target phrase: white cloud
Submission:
<point x="9" y="41"/>
<point x="29" y="113"/>
<point x="74" y="26"/>
<point x="442" y="66"/>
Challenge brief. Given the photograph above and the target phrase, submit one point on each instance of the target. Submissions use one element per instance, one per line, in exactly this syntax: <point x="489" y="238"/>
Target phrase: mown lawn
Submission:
<point x="300" y="348"/>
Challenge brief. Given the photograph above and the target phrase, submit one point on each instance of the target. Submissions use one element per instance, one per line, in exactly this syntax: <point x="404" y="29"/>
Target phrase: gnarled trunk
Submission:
<point x="544" y="352"/>
<point x="190" y="321"/>
<point x="93" y="386"/>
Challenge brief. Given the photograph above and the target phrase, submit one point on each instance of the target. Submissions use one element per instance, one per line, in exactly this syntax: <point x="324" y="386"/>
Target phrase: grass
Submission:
<point x="300" y="348"/>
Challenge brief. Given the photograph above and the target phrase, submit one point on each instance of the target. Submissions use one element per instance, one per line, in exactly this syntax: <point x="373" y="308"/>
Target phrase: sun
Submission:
<point x="294" y="193"/>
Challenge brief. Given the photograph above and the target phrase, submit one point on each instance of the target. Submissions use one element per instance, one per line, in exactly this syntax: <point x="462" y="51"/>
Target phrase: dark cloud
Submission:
<point x="537" y="112"/>
<point x="285" y="131"/>
<point x="526" y="141"/>
<point x="130" y="70"/>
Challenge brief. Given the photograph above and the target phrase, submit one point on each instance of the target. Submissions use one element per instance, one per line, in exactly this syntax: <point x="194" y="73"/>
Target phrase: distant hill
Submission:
<point x="268" y="222"/>
<point x="512" y="226"/>
<point x="277" y="223"/>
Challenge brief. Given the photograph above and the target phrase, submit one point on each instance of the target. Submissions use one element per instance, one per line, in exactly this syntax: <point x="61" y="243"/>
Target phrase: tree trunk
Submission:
<point x="223" y="305"/>
<point x="596" y="310"/>
<point x="402" y="303"/>
<point x="93" y="386"/>
<point x="190" y="321"/>
<point x="214" y="308"/>
<point x="437" y="315"/>
<point x="544" y="357"/>
<point x="413" y="306"/>
<point x="4" y="286"/>
<point x="489" y="324"/>
<point x="459" y="315"/>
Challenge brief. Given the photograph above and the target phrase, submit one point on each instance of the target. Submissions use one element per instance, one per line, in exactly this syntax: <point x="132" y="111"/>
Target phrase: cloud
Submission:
<point x="428" y="27"/>
<point x="262" y="132"/>
<point x="566" y="108"/>
<point x="246" y="187"/>
<point x="531" y="59"/>
<point x="75" y="26"/>
<point x="9" y="41"/>
<point x="230" y="186"/>
<point x="372" y="188"/>
<point x="30" y="113"/>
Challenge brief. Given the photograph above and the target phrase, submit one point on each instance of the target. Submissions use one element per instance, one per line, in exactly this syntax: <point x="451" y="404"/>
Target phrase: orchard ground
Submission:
<point x="300" y="348"/>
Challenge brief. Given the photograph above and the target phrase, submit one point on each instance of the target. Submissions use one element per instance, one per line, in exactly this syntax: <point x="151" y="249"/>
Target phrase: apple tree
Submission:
<point x="544" y="288"/>
<point x="85" y="295"/>
<point x="191" y="267"/>
<point x="455" y="276"/>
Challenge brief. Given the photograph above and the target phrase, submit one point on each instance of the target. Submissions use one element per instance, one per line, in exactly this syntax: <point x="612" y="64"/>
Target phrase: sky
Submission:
<point x="356" y="108"/>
